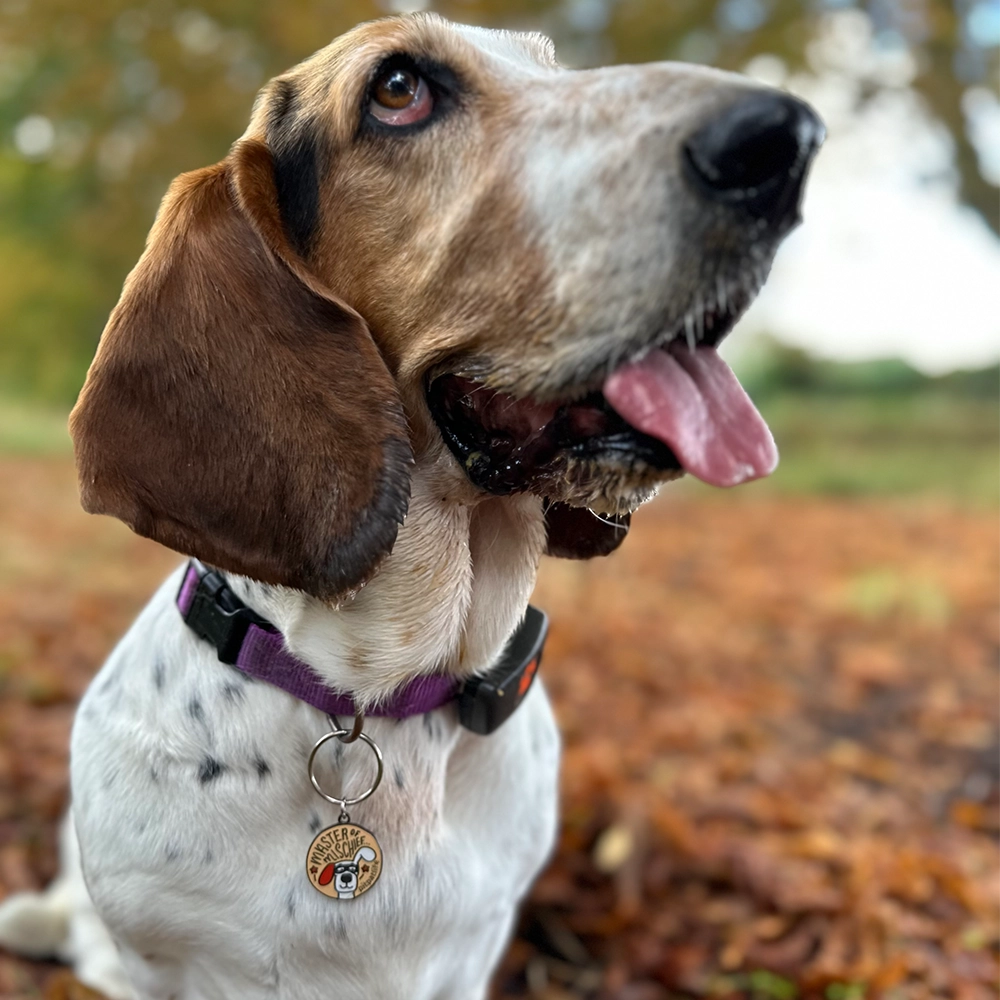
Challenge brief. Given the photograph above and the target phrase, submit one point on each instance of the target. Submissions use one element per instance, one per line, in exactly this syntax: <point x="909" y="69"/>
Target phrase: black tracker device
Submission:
<point x="486" y="702"/>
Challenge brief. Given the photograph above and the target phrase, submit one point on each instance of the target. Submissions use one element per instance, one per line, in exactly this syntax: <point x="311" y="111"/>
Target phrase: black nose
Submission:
<point x="754" y="155"/>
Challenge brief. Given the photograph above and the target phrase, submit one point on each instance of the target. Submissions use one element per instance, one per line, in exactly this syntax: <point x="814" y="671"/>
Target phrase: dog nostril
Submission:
<point x="755" y="153"/>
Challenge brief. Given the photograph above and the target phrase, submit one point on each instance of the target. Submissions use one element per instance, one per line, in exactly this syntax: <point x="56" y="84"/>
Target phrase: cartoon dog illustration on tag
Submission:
<point x="344" y="861"/>
<point x="344" y="874"/>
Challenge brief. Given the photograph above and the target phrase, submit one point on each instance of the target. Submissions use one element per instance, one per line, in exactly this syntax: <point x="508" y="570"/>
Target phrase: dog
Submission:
<point x="446" y="306"/>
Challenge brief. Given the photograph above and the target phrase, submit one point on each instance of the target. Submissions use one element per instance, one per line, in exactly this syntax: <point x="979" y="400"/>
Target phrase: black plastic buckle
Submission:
<point x="486" y="702"/>
<point x="220" y="617"/>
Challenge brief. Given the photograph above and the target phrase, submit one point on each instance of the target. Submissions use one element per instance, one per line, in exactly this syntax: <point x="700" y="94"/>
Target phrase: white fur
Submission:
<point x="202" y="883"/>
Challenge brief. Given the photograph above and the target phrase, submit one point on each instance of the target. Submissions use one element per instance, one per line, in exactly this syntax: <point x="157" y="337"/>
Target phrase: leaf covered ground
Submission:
<point x="781" y="749"/>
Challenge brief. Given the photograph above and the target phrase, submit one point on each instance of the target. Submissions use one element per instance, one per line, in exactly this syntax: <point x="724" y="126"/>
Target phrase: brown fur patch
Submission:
<point x="432" y="242"/>
<point x="222" y="415"/>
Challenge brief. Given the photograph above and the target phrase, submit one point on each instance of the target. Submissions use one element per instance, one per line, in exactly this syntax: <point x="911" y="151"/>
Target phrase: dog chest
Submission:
<point x="195" y="815"/>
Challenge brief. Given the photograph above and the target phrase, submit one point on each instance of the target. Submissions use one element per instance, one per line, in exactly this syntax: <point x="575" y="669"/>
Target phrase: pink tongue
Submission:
<point x="691" y="401"/>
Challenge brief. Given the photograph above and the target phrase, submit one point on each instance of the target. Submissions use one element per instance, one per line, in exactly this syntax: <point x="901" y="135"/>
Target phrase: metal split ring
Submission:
<point x="359" y="721"/>
<point x="339" y="733"/>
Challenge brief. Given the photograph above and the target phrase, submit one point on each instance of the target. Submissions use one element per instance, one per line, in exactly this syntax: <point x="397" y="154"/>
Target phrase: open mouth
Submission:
<point x="677" y="408"/>
<point x="505" y="443"/>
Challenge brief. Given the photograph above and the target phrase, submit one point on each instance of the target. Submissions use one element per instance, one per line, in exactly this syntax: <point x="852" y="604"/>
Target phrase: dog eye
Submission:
<point x="401" y="97"/>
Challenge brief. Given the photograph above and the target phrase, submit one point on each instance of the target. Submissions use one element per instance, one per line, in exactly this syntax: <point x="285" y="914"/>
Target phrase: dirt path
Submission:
<point x="781" y="770"/>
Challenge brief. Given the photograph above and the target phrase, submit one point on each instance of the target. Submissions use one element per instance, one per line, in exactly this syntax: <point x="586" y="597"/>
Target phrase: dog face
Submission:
<point x="345" y="876"/>
<point x="347" y="871"/>
<point x="527" y="229"/>
<point x="434" y="239"/>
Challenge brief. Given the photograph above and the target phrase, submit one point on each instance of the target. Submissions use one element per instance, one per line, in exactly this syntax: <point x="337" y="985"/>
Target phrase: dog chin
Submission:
<point x="613" y="486"/>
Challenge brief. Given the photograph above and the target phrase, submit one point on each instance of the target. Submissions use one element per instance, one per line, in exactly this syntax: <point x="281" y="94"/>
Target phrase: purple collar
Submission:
<point x="254" y="646"/>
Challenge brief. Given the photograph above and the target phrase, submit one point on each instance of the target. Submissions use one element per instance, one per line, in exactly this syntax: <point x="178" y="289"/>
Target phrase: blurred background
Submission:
<point x="780" y="704"/>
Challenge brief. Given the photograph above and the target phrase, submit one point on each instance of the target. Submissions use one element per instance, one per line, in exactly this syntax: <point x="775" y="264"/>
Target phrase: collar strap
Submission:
<point x="252" y="645"/>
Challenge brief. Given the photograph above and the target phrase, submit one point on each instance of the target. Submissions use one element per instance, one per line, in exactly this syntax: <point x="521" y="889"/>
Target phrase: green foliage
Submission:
<point x="776" y="368"/>
<point x="846" y="991"/>
<point x="760" y="984"/>
<point x="32" y="429"/>
<point x="926" y="442"/>
<point x="879" y="593"/>
<point x="876" y="428"/>
<point x="136" y="94"/>
<point x="769" y="984"/>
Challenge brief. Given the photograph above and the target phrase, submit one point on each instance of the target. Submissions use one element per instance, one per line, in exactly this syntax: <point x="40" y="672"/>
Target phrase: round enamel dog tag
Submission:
<point x="344" y="861"/>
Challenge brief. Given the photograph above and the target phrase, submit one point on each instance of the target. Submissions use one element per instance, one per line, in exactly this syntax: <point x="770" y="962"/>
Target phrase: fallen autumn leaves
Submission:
<point x="781" y="755"/>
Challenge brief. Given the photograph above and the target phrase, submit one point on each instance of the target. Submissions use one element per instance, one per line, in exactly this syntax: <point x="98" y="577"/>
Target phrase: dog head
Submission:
<point x="345" y="873"/>
<point x="345" y="876"/>
<point x="434" y="243"/>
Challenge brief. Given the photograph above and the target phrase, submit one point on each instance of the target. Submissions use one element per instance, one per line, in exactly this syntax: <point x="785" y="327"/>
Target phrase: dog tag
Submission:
<point x="344" y="860"/>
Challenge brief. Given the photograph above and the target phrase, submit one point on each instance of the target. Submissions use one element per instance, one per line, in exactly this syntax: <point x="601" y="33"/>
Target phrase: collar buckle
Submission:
<point x="218" y="616"/>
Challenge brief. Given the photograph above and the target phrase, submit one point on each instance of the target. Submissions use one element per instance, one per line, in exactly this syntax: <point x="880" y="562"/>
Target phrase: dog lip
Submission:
<point x="704" y="324"/>
<point x="707" y="323"/>
<point x="507" y="444"/>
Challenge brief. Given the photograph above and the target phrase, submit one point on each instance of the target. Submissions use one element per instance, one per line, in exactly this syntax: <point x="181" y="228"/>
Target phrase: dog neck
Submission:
<point x="446" y="599"/>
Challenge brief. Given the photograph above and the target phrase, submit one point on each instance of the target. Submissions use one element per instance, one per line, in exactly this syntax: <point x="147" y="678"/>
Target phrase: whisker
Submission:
<point x="617" y="525"/>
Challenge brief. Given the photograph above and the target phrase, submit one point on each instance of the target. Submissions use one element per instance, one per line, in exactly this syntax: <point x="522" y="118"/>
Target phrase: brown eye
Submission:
<point x="400" y="97"/>
<point x="396" y="89"/>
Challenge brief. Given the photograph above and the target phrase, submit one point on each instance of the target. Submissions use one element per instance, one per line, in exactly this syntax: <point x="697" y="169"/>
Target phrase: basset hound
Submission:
<point x="446" y="306"/>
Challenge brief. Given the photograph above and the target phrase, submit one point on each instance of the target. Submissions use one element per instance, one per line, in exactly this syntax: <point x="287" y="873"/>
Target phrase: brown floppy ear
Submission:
<point x="236" y="410"/>
<point x="576" y="533"/>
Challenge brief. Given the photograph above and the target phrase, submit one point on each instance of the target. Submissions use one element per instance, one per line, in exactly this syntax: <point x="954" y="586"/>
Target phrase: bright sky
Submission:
<point x="887" y="263"/>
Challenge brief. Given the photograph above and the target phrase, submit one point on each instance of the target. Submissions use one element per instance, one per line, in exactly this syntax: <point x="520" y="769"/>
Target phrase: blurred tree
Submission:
<point x="102" y="104"/>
